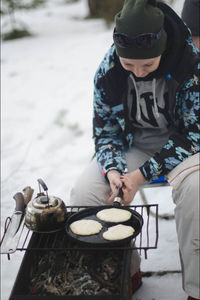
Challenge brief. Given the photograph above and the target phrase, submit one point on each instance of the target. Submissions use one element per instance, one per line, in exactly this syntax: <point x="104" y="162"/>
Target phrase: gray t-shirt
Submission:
<point x="148" y="112"/>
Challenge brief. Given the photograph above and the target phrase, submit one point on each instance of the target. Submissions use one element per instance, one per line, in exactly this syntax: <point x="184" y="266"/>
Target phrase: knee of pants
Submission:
<point x="89" y="193"/>
<point x="75" y="197"/>
<point x="91" y="188"/>
<point x="187" y="195"/>
<point x="79" y="194"/>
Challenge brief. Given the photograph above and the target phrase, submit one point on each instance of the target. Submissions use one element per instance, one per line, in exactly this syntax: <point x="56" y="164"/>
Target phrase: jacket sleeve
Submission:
<point x="107" y="132"/>
<point x="186" y="141"/>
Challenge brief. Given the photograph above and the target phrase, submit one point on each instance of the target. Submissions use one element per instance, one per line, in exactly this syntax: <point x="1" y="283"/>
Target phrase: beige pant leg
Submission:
<point x="186" y="198"/>
<point x="91" y="188"/>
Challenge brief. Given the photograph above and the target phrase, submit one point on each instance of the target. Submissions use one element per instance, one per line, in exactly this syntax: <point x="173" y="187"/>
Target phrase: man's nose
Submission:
<point x="138" y="72"/>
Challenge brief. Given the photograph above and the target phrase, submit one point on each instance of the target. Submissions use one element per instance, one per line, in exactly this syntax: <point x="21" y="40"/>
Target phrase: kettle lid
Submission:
<point x="43" y="201"/>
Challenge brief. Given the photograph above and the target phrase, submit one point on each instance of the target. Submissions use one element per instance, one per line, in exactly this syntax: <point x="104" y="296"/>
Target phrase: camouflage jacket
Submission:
<point x="111" y="131"/>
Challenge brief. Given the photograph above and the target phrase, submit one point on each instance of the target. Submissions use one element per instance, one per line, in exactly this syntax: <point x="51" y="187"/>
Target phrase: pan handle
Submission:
<point x="118" y="200"/>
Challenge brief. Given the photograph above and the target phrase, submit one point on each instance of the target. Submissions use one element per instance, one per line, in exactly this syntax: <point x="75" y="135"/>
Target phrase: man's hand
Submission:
<point x="115" y="181"/>
<point x="131" y="183"/>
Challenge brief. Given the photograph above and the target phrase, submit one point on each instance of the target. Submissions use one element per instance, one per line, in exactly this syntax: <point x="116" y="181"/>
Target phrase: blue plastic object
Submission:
<point x="162" y="179"/>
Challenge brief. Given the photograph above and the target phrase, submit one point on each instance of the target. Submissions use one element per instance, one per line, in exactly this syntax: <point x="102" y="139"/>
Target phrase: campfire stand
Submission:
<point x="40" y="245"/>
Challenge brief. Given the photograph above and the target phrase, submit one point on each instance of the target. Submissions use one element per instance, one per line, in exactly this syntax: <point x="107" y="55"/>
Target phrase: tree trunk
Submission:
<point x="105" y="9"/>
<point x="94" y="8"/>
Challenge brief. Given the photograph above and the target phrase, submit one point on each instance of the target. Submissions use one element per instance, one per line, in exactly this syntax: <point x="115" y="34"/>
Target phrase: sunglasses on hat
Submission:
<point x="147" y="40"/>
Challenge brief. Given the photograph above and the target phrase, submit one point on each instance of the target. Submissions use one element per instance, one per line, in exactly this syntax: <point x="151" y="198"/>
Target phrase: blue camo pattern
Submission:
<point x="112" y="141"/>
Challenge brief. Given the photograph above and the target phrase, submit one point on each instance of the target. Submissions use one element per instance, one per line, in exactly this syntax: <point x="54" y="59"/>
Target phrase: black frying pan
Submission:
<point x="97" y="240"/>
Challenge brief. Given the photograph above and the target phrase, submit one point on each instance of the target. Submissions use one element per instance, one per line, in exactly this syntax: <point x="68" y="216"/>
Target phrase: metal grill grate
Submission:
<point x="147" y="239"/>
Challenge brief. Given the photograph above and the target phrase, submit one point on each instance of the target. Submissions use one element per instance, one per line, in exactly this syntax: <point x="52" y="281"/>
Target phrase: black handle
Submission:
<point x="44" y="186"/>
<point x="19" y="198"/>
<point x="119" y="193"/>
<point x="119" y="197"/>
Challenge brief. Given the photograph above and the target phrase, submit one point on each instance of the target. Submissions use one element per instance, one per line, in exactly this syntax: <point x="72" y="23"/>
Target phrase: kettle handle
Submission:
<point x="44" y="186"/>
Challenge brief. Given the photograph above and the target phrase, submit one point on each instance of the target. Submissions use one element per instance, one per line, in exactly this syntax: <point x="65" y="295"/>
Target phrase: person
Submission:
<point x="146" y="122"/>
<point x="190" y="15"/>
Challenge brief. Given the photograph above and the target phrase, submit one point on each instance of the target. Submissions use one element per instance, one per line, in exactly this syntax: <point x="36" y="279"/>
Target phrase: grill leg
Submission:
<point x="145" y="201"/>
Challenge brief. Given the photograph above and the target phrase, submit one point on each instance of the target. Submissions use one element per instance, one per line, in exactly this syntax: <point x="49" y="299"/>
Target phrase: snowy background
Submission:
<point x="46" y="125"/>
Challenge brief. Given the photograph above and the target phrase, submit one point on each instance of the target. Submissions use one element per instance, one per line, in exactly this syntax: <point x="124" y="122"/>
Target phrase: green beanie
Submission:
<point x="140" y="17"/>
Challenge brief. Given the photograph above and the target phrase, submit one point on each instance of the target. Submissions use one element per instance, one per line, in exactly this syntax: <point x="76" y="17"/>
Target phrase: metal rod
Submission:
<point x="157" y="234"/>
<point x="147" y="227"/>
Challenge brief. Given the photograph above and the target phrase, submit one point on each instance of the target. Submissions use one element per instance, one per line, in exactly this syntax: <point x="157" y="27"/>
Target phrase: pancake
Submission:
<point x="118" y="232"/>
<point x="85" y="227"/>
<point x="115" y="215"/>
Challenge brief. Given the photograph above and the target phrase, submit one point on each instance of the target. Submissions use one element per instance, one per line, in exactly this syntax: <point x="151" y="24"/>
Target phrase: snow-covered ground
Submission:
<point x="46" y="125"/>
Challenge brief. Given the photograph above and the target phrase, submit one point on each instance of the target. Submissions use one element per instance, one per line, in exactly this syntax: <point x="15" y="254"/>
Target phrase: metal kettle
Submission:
<point x="45" y="213"/>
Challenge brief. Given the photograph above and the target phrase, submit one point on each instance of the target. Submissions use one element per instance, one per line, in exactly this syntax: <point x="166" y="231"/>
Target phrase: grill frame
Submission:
<point x="31" y="243"/>
<point x="146" y="240"/>
<point x="22" y="282"/>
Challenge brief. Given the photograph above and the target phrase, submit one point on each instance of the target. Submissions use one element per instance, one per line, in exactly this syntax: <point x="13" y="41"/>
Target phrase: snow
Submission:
<point x="46" y="125"/>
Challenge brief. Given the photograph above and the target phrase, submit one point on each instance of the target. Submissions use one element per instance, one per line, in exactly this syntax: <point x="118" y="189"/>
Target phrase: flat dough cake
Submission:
<point x="118" y="232"/>
<point x="86" y="227"/>
<point x="115" y="215"/>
